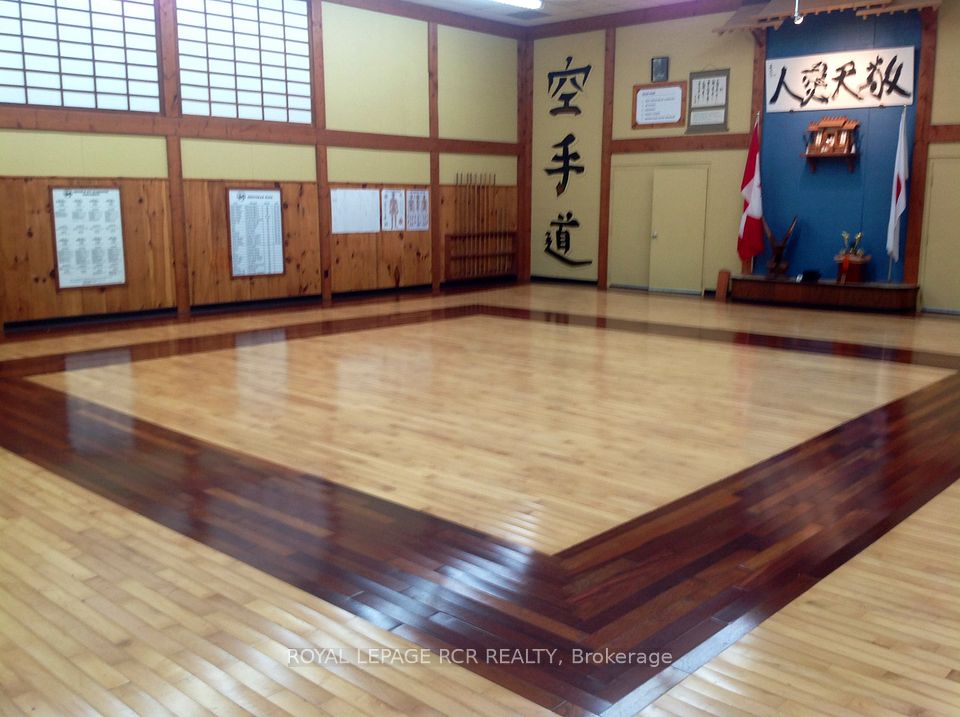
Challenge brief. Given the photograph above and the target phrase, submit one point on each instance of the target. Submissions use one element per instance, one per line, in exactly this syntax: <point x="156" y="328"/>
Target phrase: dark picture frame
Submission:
<point x="659" y="69"/>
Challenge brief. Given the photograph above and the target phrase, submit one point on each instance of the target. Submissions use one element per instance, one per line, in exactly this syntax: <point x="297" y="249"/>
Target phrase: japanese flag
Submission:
<point x="898" y="196"/>
<point x="750" y="242"/>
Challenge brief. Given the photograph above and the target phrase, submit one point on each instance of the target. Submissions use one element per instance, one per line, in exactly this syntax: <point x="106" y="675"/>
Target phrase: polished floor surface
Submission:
<point x="530" y="467"/>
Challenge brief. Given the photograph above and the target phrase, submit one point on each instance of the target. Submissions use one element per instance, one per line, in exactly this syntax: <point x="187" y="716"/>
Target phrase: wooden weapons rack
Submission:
<point x="481" y="245"/>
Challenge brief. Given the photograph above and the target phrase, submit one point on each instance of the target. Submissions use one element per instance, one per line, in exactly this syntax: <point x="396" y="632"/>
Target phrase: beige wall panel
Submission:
<point x="631" y="190"/>
<point x="477" y="78"/>
<point x="582" y="196"/>
<point x="208" y="243"/>
<point x="631" y="202"/>
<point x="220" y="159"/>
<point x="504" y="169"/>
<point x="940" y="270"/>
<point x="375" y="72"/>
<point x="373" y="166"/>
<point x="692" y="46"/>
<point x="28" y="263"/>
<point x="946" y="87"/>
<point x="68" y="154"/>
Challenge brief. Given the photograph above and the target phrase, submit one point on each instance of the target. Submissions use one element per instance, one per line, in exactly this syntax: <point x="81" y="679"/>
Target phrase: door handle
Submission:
<point x="653" y="235"/>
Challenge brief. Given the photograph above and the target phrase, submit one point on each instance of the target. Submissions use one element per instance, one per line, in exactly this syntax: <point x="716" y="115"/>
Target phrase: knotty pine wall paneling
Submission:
<point x="380" y="260"/>
<point x="28" y="260"/>
<point x="208" y="243"/>
<point x="504" y="200"/>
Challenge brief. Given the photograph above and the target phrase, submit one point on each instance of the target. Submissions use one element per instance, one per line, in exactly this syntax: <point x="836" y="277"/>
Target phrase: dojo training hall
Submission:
<point x="372" y="357"/>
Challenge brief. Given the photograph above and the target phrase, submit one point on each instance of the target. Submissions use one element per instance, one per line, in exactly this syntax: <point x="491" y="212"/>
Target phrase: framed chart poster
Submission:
<point x="392" y="211"/>
<point x="661" y="104"/>
<point x="88" y="237"/>
<point x="256" y="232"/>
<point x="418" y="210"/>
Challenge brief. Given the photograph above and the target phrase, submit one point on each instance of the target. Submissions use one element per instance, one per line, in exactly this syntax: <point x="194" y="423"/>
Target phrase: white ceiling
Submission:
<point x="556" y="10"/>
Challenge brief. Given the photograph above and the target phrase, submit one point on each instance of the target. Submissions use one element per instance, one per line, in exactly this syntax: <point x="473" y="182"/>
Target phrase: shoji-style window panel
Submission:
<point x="97" y="54"/>
<point x="248" y="59"/>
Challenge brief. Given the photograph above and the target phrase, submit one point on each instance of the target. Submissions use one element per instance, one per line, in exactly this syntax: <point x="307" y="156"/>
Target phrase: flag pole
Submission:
<point x="756" y="123"/>
<point x="890" y="270"/>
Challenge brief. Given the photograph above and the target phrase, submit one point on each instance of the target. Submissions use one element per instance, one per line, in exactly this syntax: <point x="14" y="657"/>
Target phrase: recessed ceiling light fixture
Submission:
<point x="525" y="4"/>
<point x="797" y="17"/>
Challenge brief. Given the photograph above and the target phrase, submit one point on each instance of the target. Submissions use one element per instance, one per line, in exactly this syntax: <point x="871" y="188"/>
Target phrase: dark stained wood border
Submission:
<point x="689" y="578"/>
<point x="634" y="17"/>
<point x="921" y="145"/>
<point x="603" y="249"/>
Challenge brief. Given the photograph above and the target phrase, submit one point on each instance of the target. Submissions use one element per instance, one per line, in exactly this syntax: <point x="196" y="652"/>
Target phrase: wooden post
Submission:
<point x="921" y="146"/>
<point x="723" y="285"/>
<point x="170" y="109"/>
<point x="436" y="236"/>
<point x="319" y="108"/>
<point x="178" y="227"/>
<point x="609" y="58"/>
<point x="524" y="157"/>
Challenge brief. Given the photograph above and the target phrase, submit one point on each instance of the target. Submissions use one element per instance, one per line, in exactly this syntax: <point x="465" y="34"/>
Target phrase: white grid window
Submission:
<point x="99" y="54"/>
<point x="248" y="59"/>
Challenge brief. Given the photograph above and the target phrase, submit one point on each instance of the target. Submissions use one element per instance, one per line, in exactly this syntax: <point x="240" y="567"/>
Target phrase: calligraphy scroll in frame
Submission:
<point x="841" y="80"/>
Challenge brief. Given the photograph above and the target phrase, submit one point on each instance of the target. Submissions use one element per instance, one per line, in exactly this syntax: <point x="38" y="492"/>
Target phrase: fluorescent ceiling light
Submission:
<point x="525" y="4"/>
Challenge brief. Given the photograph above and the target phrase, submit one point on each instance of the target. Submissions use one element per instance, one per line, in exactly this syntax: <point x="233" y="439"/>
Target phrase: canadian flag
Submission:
<point x="898" y="197"/>
<point x="750" y="242"/>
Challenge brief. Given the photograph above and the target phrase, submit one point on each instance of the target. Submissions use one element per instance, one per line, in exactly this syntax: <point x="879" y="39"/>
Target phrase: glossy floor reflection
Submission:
<point x="690" y="577"/>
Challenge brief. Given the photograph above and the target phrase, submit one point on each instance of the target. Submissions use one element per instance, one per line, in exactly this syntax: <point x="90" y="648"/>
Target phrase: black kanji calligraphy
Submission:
<point x="566" y="160"/>
<point x="884" y="81"/>
<point x="560" y="234"/>
<point x="571" y="78"/>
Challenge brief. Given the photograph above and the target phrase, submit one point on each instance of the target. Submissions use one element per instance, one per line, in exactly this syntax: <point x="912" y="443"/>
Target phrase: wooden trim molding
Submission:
<point x="436" y="231"/>
<point x="524" y="157"/>
<point x="759" y="68"/>
<point x="603" y="249"/>
<point x="178" y="227"/>
<point x="634" y="17"/>
<point x="685" y="143"/>
<point x="944" y="133"/>
<point x="106" y="122"/>
<point x="921" y="146"/>
<point x="169" y="58"/>
<point x="319" y="108"/>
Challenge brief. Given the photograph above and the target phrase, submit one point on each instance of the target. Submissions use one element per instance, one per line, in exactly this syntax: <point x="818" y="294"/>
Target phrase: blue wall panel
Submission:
<point x="833" y="199"/>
